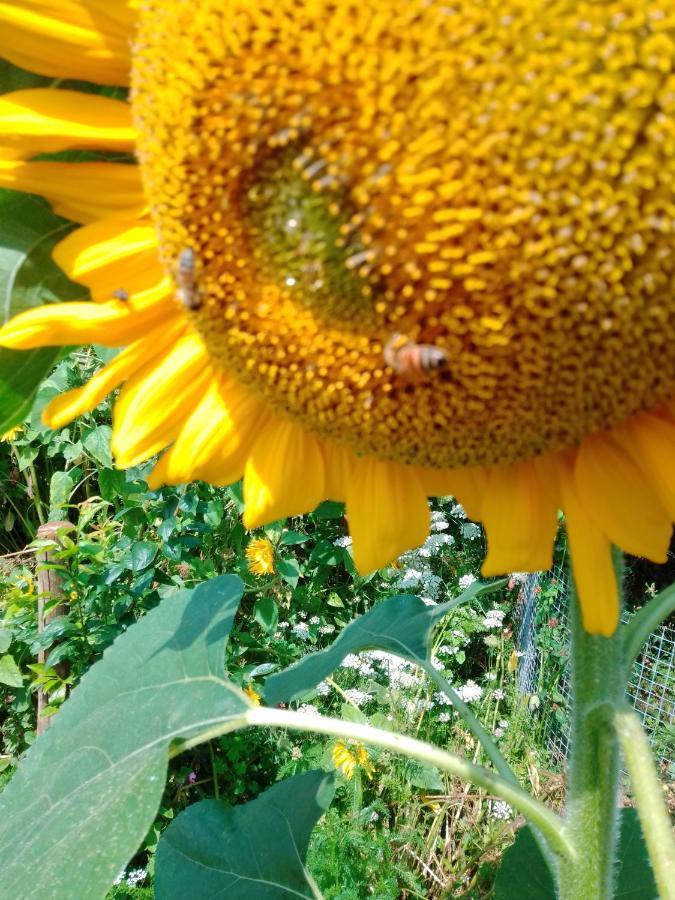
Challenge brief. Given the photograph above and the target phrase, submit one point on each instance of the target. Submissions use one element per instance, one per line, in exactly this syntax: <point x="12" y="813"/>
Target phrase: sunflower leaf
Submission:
<point x="400" y="625"/>
<point x="28" y="277"/>
<point x="244" y="852"/>
<point x="93" y="782"/>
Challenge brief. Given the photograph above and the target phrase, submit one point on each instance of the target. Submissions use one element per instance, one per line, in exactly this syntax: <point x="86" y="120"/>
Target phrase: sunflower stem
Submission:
<point x="545" y="819"/>
<point x="648" y="793"/>
<point x="592" y="815"/>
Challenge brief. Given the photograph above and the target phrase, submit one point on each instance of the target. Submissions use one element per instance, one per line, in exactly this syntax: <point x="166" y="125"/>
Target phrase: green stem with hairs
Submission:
<point x="592" y="815"/>
<point x="648" y="793"/>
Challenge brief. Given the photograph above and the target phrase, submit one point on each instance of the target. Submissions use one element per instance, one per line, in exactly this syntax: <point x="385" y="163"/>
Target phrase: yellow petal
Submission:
<point x="83" y="192"/>
<point x="112" y="324"/>
<point x="215" y="441"/>
<point x="111" y="255"/>
<point x="43" y="120"/>
<point x="84" y="39"/>
<point x="284" y="474"/>
<point x="388" y="512"/>
<point x="620" y="500"/>
<point x="339" y="461"/>
<point x="651" y="439"/>
<point x="69" y="405"/>
<point x="155" y="403"/>
<point x="591" y="559"/>
<point x="520" y="520"/>
<point x="467" y="486"/>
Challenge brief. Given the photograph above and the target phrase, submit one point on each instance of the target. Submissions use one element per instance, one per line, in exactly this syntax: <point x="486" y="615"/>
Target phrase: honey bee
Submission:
<point x="121" y="294"/>
<point x="187" y="292"/>
<point x="411" y="360"/>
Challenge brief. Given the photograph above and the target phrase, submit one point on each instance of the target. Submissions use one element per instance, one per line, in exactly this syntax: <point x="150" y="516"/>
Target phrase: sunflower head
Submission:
<point x="260" y="557"/>
<point x="491" y="183"/>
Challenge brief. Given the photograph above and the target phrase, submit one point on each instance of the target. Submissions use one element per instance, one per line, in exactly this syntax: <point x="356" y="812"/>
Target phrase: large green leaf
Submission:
<point x="524" y="872"/>
<point x="251" y="852"/>
<point x="400" y="625"/>
<point x="634" y="876"/>
<point x="86" y="794"/>
<point x="28" y="277"/>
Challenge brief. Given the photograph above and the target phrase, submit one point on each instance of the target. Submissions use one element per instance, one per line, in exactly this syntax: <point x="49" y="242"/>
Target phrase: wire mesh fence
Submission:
<point x="542" y="639"/>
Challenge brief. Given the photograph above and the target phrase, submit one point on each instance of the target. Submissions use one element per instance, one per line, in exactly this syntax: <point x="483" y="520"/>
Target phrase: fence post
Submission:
<point x="49" y="588"/>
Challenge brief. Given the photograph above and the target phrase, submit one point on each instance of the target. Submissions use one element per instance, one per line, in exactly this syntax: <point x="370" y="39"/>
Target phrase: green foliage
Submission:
<point x="402" y="626"/>
<point x="524" y="871"/>
<point x="28" y="277"/>
<point x="256" y="850"/>
<point x="162" y="682"/>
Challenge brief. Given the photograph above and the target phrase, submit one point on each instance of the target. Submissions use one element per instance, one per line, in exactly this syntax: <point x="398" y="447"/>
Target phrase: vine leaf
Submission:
<point x="255" y="851"/>
<point x="88" y="790"/>
<point x="400" y="625"/>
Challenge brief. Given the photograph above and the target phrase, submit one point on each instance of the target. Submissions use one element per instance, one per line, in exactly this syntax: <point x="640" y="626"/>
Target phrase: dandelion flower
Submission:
<point x="260" y="557"/>
<point x="321" y="186"/>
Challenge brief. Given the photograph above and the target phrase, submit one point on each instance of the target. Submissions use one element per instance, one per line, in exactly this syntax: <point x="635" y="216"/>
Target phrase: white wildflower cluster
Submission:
<point x="307" y="709"/>
<point x="314" y="620"/>
<point x="327" y="629"/>
<point x="360" y="664"/>
<point x="494" y="618"/>
<point x="344" y="541"/>
<point x="433" y="545"/>
<point x="457" y="511"/>
<point x="471" y="531"/>
<point x="437" y="663"/>
<point x="470" y="692"/>
<point x="400" y="673"/>
<point x="490" y="676"/>
<point x="296" y="752"/>
<point x="323" y="688"/>
<point x="501" y="810"/>
<point x="498" y="694"/>
<point x="444" y="717"/>
<point x="132" y="878"/>
<point x="518" y="577"/>
<point x="438" y="520"/>
<point x="466" y="581"/>
<point x="301" y="630"/>
<point x="422" y="578"/>
<point x="500" y="730"/>
<point x="357" y="697"/>
<point x="283" y="625"/>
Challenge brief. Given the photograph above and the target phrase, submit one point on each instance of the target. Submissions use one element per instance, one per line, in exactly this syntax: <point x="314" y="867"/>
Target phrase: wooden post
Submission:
<point x="49" y="588"/>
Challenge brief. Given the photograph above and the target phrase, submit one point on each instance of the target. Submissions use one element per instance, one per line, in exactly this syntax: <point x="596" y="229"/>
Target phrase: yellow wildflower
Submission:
<point x="11" y="434"/>
<point x="252" y="694"/>
<point x="260" y="556"/>
<point x="374" y="252"/>
<point x="346" y="759"/>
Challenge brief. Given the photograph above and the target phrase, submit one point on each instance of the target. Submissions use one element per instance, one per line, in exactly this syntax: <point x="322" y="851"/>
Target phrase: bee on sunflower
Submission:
<point x="494" y="182"/>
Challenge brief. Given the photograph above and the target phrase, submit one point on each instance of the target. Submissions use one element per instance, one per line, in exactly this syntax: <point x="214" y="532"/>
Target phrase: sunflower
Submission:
<point x="260" y="556"/>
<point x="373" y="252"/>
